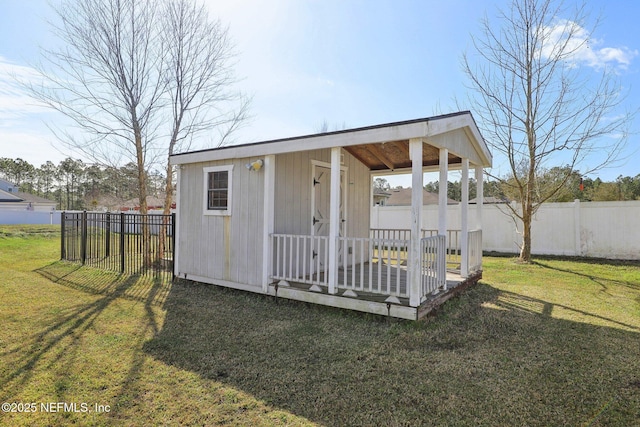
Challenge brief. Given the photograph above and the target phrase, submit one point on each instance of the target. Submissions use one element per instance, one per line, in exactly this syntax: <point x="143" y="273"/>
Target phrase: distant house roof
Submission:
<point x="20" y="196"/>
<point x="9" y="197"/>
<point x="27" y="197"/>
<point x="7" y="186"/>
<point x="379" y="192"/>
<point x="402" y="197"/>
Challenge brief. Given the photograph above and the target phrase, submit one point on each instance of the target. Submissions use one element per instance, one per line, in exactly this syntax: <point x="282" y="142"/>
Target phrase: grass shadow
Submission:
<point x="58" y="345"/>
<point x="603" y="282"/>
<point x="138" y="287"/>
<point x="489" y="357"/>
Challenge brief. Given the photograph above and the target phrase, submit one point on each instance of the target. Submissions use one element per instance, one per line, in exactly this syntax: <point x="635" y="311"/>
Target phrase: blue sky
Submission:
<point x="347" y="62"/>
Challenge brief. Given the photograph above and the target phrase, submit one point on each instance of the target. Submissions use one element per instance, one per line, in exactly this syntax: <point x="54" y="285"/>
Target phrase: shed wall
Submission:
<point x="229" y="248"/>
<point x="293" y="193"/>
<point x="221" y="247"/>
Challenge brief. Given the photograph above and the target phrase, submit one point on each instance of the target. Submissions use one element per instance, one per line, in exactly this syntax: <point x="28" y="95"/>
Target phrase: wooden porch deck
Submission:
<point x="374" y="300"/>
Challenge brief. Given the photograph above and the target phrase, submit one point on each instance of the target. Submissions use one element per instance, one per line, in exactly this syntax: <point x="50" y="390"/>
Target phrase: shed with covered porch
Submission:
<point x="290" y="217"/>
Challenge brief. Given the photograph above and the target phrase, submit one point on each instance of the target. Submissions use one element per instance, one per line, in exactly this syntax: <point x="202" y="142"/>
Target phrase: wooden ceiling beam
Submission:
<point x="380" y="155"/>
<point x="358" y="156"/>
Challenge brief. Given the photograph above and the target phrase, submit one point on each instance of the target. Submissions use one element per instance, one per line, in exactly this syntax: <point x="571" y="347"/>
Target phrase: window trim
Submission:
<point x="205" y="203"/>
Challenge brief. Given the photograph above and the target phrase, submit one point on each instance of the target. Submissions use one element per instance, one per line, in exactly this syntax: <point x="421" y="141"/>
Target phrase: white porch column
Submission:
<point x="334" y="220"/>
<point x="442" y="192"/>
<point x="479" y="196"/>
<point x="268" y="219"/>
<point x="464" y="220"/>
<point x="414" y="270"/>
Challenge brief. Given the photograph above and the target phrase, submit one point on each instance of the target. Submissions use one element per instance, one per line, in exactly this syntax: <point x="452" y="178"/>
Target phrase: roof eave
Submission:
<point x="420" y="128"/>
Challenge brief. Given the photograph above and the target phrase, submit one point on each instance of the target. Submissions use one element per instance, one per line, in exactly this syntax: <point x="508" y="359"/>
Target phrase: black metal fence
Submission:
<point x="129" y="243"/>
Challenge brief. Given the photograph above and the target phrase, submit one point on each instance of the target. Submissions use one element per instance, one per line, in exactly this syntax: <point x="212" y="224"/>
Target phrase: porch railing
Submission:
<point x="374" y="265"/>
<point x="475" y="251"/>
<point x="452" y="245"/>
<point x="365" y="265"/>
<point x="433" y="270"/>
<point x="301" y="259"/>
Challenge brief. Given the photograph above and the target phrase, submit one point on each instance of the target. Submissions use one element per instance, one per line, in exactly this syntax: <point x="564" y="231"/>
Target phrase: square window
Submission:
<point x="217" y="181"/>
<point x="218" y="190"/>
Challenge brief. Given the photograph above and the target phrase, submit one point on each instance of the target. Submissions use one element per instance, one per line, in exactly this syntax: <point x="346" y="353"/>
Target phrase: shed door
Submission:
<point x="320" y="219"/>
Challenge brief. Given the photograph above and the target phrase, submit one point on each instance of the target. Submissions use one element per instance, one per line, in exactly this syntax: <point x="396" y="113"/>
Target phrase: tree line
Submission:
<point x="570" y="185"/>
<point x="76" y="185"/>
<point x="574" y="188"/>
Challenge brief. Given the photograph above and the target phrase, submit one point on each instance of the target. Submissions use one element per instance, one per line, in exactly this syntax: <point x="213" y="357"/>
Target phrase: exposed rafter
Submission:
<point x="381" y="155"/>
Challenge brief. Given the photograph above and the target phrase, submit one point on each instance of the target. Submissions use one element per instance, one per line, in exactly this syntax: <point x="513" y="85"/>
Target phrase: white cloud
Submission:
<point x="15" y="102"/>
<point x="585" y="49"/>
<point x="22" y="131"/>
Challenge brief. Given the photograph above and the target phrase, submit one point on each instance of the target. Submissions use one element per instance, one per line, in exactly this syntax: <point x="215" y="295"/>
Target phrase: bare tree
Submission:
<point x="140" y="79"/>
<point x="106" y="78"/>
<point x="198" y="71"/>
<point x="537" y="104"/>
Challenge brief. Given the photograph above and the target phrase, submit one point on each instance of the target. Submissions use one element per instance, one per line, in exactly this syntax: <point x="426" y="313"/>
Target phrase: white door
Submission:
<point x="320" y="218"/>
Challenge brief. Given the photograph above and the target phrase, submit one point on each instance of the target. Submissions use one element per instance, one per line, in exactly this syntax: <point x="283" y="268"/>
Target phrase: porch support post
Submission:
<point x="268" y="219"/>
<point x="334" y="220"/>
<point x="464" y="220"/>
<point x="442" y="211"/>
<point x="479" y="196"/>
<point x="442" y="192"/>
<point x="415" y="274"/>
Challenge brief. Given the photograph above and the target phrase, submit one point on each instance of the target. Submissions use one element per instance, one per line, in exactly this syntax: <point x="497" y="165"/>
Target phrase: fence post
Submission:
<point x="173" y="246"/>
<point x="122" y="264"/>
<point x="63" y="250"/>
<point x="576" y="227"/>
<point x="83" y="238"/>
<point x="107" y="248"/>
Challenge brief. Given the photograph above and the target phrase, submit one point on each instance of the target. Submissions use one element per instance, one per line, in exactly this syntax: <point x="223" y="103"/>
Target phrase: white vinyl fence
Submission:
<point x="590" y="229"/>
<point x="29" y="217"/>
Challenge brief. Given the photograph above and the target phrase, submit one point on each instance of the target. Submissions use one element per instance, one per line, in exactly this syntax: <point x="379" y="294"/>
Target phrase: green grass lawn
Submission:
<point x="552" y="343"/>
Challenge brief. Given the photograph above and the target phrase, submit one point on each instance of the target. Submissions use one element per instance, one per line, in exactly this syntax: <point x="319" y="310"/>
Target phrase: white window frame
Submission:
<point x="205" y="202"/>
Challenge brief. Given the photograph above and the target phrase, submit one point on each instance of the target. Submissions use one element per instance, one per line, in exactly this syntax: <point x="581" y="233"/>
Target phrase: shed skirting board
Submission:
<point x="227" y="284"/>
<point x="402" y="312"/>
<point x="380" y="308"/>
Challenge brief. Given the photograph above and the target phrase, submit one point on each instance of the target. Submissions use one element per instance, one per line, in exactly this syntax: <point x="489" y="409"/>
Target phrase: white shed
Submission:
<point x="290" y="217"/>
